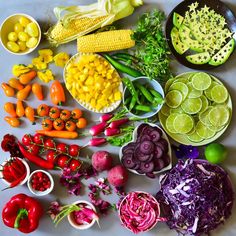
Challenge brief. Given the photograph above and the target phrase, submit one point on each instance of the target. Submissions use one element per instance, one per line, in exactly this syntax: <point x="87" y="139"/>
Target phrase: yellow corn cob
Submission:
<point x="105" y="41"/>
<point x="60" y="34"/>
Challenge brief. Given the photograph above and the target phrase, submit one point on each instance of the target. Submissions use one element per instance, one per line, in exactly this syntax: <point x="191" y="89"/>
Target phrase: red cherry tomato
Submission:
<point x="49" y="143"/>
<point x="63" y="161"/>
<point x="74" y="165"/>
<point x="62" y="147"/>
<point x="27" y="139"/>
<point x="51" y="156"/>
<point x="38" y="138"/>
<point x="33" y="148"/>
<point x="74" y="150"/>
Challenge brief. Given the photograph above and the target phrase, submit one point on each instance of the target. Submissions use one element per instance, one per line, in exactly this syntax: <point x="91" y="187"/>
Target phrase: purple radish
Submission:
<point x="111" y="131"/>
<point x="128" y="151"/>
<point x="146" y="147"/>
<point x="147" y="167"/>
<point x="97" y="141"/>
<point x="141" y="156"/>
<point x="97" y="129"/>
<point x="158" y="152"/>
<point x="144" y="137"/>
<point x="101" y="160"/>
<point x="148" y="130"/>
<point x="137" y="166"/>
<point x="151" y="156"/>
<point x="128" y="162"/>
<point x="151" y="175"/>
<point x="166" y="159"/>
<point x="158" y="164"/>
<point x="130" y="146"/>
<point x="141" y="128"/>
<point x="155" y="136"/>
<point x="118" y="123"/>
<point x="105" y="117"/>
<point x="163" y="144"/>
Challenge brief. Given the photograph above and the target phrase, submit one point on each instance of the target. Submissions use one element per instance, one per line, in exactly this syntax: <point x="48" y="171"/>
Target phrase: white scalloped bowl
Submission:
<point x="87" y="106"/>
<point x="163" y="136"/>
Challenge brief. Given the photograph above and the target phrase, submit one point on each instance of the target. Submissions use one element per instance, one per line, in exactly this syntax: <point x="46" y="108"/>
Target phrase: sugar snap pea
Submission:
<point x="130" y="86"/>
<point x="132" y="103"/>
<point x="145" y="92"/>
<point x="127" y="100"/>
<point x="143" y="108"/>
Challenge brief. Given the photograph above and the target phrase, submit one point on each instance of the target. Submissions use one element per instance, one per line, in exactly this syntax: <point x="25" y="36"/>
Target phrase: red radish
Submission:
<point x="106" y="117"/>
<point x="97" y="129"/>
<point x="117" y="176"/>
<point x="101" y="161"/>
<point x="97" y="141"/>
<point x="111" y="131"/>
<point x="118" y="123"/>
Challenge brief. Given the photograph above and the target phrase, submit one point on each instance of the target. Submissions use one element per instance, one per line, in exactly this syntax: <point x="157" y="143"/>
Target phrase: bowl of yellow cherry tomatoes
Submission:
<point x="20" y="34"/>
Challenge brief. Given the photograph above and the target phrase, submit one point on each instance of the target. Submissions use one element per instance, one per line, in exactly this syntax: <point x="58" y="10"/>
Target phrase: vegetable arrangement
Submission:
<point x="195" y="196"/>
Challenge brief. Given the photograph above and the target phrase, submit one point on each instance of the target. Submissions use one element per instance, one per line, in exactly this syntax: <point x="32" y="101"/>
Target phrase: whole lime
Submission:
<point x="215" y="153"/>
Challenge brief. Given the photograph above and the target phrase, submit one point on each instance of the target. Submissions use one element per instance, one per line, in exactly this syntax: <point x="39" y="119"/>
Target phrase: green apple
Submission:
<point x="215" y="153"/>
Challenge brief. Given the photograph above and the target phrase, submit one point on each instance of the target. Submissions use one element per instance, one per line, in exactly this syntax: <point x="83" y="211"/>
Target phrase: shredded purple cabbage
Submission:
<point x="197" y="196"/>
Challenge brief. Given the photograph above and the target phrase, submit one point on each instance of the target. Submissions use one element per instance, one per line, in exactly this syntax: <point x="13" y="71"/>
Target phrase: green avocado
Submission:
<point x="177" y="44"/>
<point x="184" y="34"/>
<point x="177" y="19"/>
<point x="199" y="58"/>
<point x="221" y="56"/>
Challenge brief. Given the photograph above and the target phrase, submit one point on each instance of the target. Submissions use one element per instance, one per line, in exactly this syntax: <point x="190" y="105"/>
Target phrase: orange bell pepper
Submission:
<point x="57" y="93"/>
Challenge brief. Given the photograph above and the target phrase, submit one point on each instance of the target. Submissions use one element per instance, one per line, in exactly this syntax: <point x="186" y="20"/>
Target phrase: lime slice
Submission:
<point x="208" y="91"/>
<point x="201" y="81"/>
<point x="194" y="137"/>
<point x="183" y="123"/>
<point x="168" y="84"/>
<point x="176" y="110"/>
<point x="215" y="128"/>
<point x="183" y="88"/>
<point x="219" y="94"/>
<point x="192" y="105"/>
<point x="181" y="79"/>
<point x="190" y="76"/>
<point x="204" y="103"/>
<point x="170" y="123"/>
<point x="219" y="116"/>
<point x="165" y="110"/>
<point x="203" y="131"/>
<point x="174" y="98"/>
<point x="193" y="93"/>
<point x="203" y="116"/>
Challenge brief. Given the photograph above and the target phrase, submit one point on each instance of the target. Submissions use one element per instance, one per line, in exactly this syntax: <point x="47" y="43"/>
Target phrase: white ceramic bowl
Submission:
<point x="87" y="106"/>
<point x="7" y="27"/>
<point x="134" y="139"/>
<point x="72" y="221"/>
<point x="27" y="173"/>
<point x="151" y="83"/>
<point x="40" y="193"/>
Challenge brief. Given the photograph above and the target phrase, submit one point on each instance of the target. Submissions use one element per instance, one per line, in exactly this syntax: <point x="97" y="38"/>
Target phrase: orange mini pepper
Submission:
<point x="9" y="91"/>
<point x="57" y="93"/>
<point x="37" y="91"/>
<point x="27" y="77"/>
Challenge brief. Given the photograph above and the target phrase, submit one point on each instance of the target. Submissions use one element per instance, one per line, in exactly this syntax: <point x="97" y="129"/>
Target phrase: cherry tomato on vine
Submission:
<point x="76" y="114"/>
<point x="81" y="123"/>
<point x="49" y="143"/>
<point x="43" y="110"/>
<point x="54" y="113"/>
<point x="74" y="165"/>
<point x="33" y="149"/>
<point x="70" y="125"/>
<point x="65" y="115"/>
<point x="74" y="150"/>
<point x="63" y="161"/>
<point x="51" y="156"/>
<point x="62" y="147"/>
<point x="47" y="124"/>
<point x="27" y="139"/>
<point x="38" y="138"/>
<point x="58" y="124"/>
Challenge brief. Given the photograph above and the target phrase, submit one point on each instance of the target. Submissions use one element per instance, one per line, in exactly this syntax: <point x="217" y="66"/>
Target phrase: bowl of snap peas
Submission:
<point x="143" y="97"/>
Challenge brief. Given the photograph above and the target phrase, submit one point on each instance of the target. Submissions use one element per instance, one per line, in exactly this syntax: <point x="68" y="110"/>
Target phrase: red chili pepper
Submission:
<point x="16" y="182"/>
<point x="37" y="160"/>
<point x="12" y="171"/>
<point x="15" y="167"/>
<point x="23" y="213"/>
<point x="6" y="174"/>
<point x="20" y="164"/>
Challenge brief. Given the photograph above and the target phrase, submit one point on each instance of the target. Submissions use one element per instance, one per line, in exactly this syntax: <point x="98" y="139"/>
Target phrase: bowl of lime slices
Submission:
<point x="198" y="108"/>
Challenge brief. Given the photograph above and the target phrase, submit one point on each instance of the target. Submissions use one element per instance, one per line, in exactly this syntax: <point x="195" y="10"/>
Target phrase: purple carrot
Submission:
<point x="97" y="141"/>
<point x="118" y="123"/>
<point x="105" y="117"/>
<point x="97" y="129"/>
<point x="112" y="131"/>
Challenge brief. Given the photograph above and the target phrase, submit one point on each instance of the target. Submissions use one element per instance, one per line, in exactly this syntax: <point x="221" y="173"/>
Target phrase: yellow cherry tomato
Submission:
<point x="23" y="36"/>
<point x="12" y="46"/>
<point x="32" y="29"/>
<point x="18" y="28"/>
<point x="24" y="21"/>
<point x="32" y="42"/>
<point x="22" y="45"/>
<point x="12" y="36"/>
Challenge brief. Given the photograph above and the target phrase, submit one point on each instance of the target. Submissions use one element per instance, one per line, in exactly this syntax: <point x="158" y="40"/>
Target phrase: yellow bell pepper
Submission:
<point x="61" y="59"/>
<point x="17" y="70"/>
<point x="45" y="76"/>
<point x="46" y="54"/>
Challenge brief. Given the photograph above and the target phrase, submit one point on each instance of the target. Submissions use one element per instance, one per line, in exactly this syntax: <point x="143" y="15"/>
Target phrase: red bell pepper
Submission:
<point x="23" y="213"/>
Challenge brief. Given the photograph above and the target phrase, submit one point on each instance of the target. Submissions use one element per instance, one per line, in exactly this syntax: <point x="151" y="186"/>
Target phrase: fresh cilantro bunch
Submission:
<point x="151" y="51"/>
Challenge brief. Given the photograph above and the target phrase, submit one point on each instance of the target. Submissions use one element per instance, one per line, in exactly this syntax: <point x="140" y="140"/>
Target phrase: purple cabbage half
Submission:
<point x="196" y="197"/>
